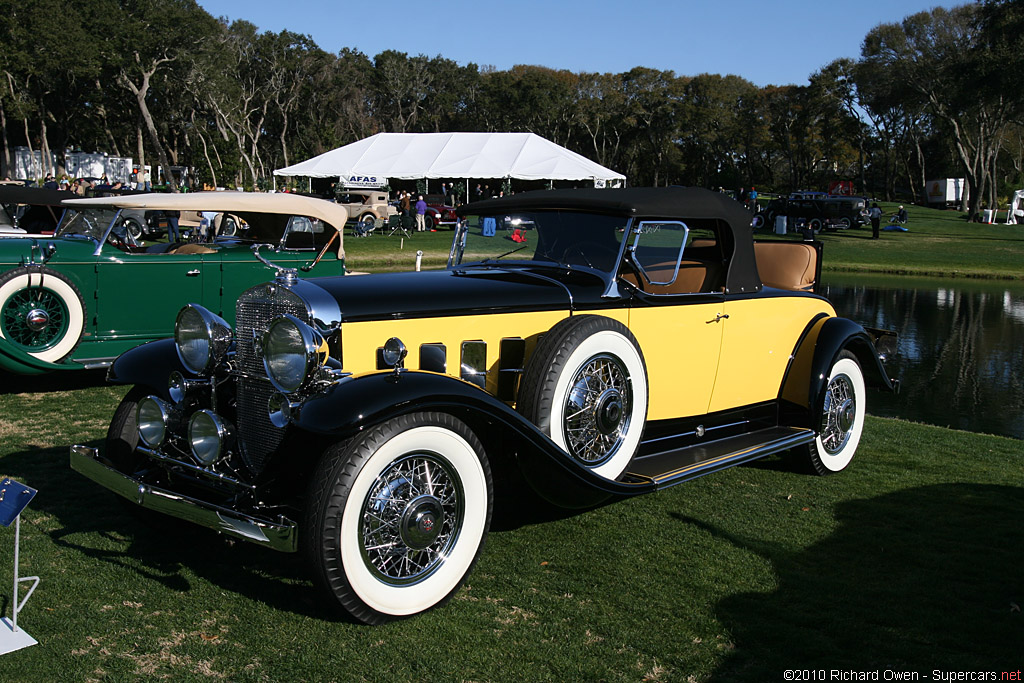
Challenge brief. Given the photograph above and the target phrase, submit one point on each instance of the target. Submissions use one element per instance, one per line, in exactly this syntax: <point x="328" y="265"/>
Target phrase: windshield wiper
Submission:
<point x="507" y="253"/>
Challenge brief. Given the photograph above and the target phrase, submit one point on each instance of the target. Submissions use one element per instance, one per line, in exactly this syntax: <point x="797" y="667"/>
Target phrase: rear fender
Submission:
<point x="806" y="380"/>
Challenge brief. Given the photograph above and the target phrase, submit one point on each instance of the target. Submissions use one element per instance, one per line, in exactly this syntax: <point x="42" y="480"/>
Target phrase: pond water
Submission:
<point x="961" y="347"/>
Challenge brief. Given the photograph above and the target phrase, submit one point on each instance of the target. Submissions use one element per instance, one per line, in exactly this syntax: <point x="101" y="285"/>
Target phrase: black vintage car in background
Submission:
<point x="829" y="212"/>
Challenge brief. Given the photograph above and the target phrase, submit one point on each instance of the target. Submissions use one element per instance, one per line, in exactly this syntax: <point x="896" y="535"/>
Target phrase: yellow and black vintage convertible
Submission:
<point x="604" y="342"/>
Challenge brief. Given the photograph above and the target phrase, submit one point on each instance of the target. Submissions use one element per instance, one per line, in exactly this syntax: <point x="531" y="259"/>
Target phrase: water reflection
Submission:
<point x="960" y="353"/>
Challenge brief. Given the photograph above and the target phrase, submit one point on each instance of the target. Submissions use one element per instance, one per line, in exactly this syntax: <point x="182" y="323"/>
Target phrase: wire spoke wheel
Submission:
<point x="842" y="406"/>
<point x="397" y="516"/>
<point x="41" y="312"/>
<point x="837" y="418"/>
<point x="585" y="386"/>
<point x="597" y="409"/>
<point x="35" y="318"/>
<point x="410" y="518"/>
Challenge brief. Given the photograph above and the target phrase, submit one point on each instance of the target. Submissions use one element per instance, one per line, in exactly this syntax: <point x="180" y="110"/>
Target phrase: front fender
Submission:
<point x="356" y="403"/>
<point x="13" y="359"/>
<point x="807" y="378"/>
<point x="148" y="365"/>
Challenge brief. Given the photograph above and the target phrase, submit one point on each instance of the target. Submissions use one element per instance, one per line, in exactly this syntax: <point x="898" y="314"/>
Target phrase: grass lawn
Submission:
<point x="911" y="560"/>
<point x="939" y="243"/>
<point x="379" y="253"/>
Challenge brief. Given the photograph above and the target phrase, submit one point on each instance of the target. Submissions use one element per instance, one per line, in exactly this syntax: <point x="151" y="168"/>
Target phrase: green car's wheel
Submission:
<point x="585" y="386"/>
<point x="397" y="516"/>
<point x="842" y="417"/>
<point x="41" y="313"/>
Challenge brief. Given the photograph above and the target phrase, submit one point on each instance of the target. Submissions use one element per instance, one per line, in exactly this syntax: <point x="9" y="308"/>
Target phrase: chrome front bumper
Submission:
<point x="280" y="534"/>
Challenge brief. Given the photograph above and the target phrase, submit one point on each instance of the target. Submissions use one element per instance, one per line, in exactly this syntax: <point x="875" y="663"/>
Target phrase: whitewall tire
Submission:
<point x="398" y="516"/>
<point x="585" y="386"/>
<point x="842" y="417"/>
<point x="41" y="313"/>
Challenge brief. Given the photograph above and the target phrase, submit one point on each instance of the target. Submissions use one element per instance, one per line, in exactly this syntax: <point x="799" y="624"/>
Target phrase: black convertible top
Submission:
<point x="35" y="196"/>
<point x="693" y="205"/>
<point x="649" y="202"/>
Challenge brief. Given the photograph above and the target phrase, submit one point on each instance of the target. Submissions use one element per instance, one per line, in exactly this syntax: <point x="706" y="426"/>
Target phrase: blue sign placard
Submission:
<point x="14" y="497"/>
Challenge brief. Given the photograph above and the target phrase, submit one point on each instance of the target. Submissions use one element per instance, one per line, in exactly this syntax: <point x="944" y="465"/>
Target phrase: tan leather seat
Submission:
<point x="192" y="248"/>
<point x="786" y="265"/>
<point x="694" y="276"/>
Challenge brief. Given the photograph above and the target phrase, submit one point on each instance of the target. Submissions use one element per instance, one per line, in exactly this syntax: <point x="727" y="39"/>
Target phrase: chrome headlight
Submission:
<point x="207" y="434"/>
<point x="176" y="387"/>
<point x="292" y="352"/>
<point x="394" y="352"/>
<point x="201" y="338"/>
<point x="280" y="409"/>
<point x="151" y="416"/>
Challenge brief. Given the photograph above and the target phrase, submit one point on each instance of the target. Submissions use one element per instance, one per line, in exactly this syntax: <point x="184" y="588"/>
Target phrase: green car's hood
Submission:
<point x="15" y="250"/>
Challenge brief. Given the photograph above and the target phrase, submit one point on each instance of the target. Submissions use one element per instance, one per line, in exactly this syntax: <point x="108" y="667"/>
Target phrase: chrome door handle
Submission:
<point x="193" y="273"/>
<point x="718" y="316"/>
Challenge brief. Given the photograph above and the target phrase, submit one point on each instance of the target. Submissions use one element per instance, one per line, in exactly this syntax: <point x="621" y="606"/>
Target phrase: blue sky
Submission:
<point x="776" y="43"/>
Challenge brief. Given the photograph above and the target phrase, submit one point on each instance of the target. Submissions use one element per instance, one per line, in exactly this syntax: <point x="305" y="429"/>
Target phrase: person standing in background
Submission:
<point x="421" y="210"/>
<point x="875" y="214"/>
<point x="403" y="204"/>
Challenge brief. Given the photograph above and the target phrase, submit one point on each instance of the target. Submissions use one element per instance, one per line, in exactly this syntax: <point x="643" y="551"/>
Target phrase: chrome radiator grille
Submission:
<point x="254" y="311"/>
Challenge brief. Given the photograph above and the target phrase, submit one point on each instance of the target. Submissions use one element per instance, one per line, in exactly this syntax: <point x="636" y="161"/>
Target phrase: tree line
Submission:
<point x="935" y="95"/>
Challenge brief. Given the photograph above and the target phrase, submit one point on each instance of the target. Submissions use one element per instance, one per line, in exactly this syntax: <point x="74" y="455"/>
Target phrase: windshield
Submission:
<point x="92" y="223"/>
<point x="554" y="237"/>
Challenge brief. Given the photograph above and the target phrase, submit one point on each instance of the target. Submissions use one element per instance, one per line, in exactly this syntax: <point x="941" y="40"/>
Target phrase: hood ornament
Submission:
<point x="285" y="276"/>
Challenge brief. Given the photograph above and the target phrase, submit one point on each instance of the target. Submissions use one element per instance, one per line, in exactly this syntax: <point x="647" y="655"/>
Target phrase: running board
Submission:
<point x="674" y="467"/>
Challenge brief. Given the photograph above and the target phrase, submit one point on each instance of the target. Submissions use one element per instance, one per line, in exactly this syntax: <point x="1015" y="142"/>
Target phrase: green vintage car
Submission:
<point x="84" y="296"/>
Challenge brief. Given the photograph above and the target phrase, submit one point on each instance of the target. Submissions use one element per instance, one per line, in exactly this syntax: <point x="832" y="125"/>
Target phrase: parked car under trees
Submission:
<point x="630" y="340"/>
<point x="824" y="212"/>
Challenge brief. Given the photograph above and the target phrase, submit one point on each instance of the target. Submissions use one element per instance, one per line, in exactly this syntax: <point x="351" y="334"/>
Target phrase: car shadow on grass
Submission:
<point x="95" y="523"/>
<point x="920" y="579"/>
<point x="70" y="380"/>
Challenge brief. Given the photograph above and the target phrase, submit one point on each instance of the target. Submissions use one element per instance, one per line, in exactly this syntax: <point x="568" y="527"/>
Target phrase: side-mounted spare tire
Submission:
<point x="41" y="312"/>
<point x="585" y="386"/>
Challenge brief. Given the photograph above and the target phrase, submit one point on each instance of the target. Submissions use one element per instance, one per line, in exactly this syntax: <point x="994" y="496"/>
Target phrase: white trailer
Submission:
<point x="97" y="165"/>
<point x="945" y="191"/>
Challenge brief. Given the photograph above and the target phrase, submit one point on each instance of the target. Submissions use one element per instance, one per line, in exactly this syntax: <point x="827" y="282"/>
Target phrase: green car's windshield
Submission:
<point x="556" y="237"/>
<point x="91" y="223"/>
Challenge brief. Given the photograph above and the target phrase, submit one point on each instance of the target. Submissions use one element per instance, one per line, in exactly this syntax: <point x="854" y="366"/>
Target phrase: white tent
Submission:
<point x="1016" y="204"/>
<point x="410" y="156"/>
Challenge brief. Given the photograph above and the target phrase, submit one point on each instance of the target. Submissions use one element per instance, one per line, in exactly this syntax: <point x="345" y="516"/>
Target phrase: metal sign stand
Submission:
<point x="13" y="499"/>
